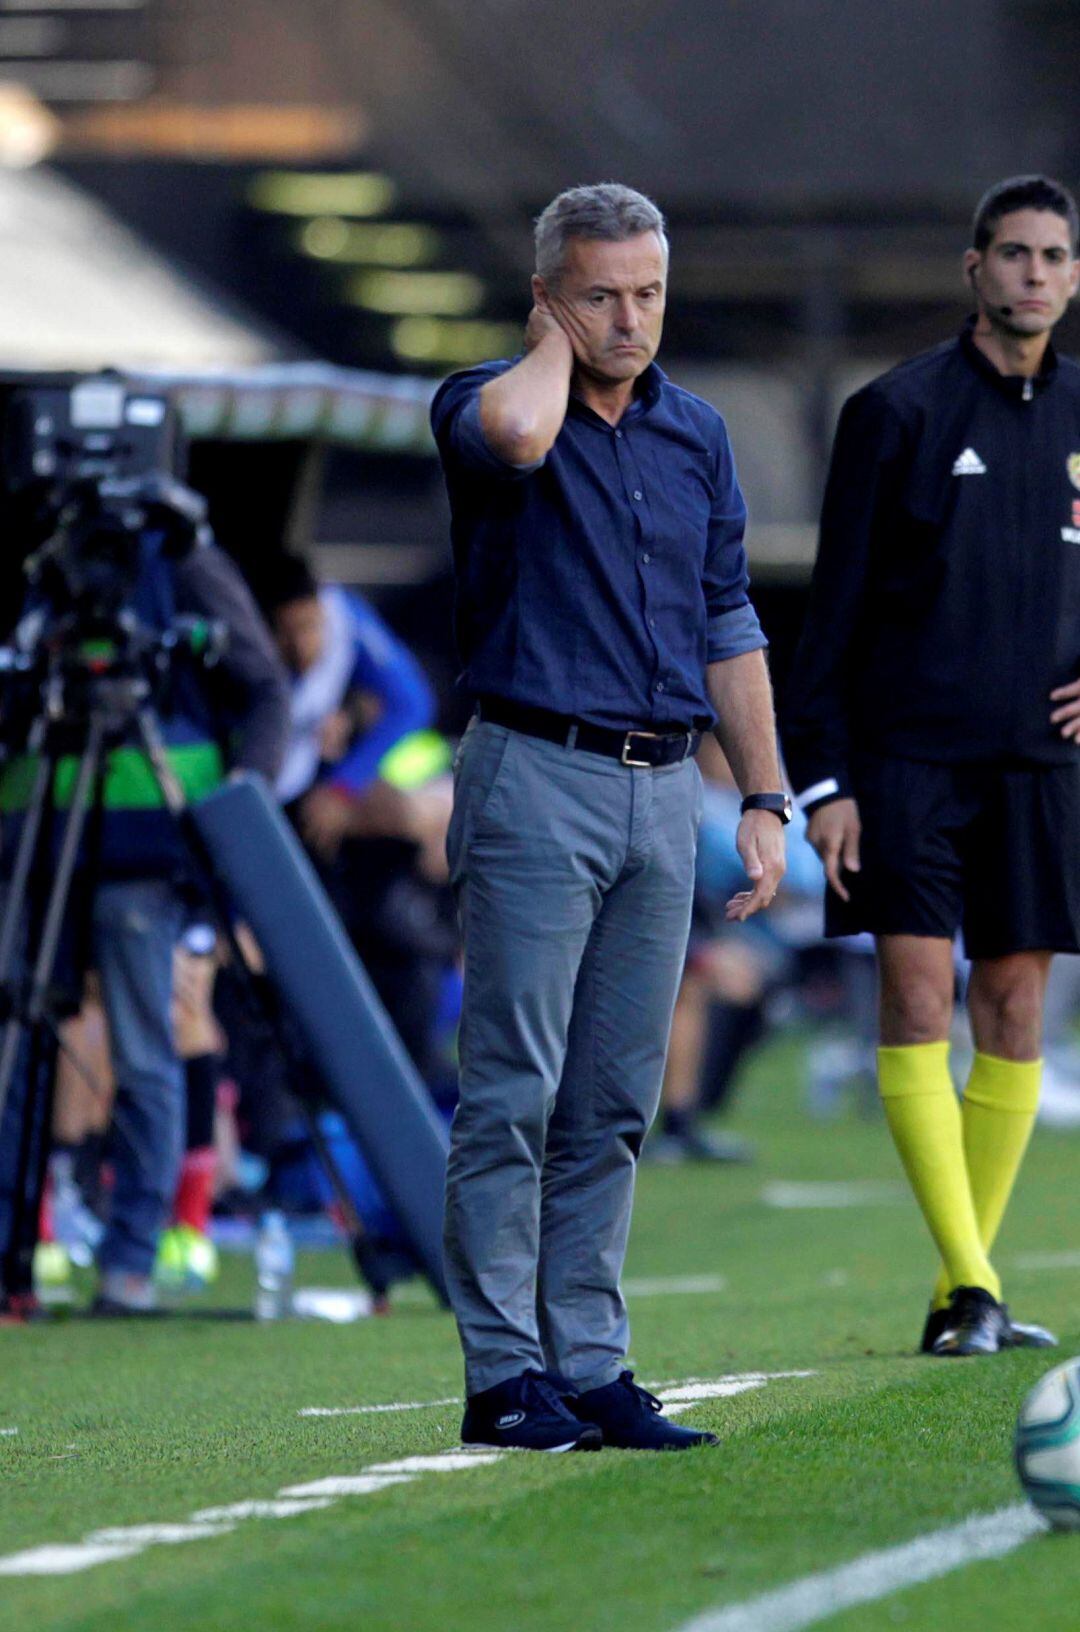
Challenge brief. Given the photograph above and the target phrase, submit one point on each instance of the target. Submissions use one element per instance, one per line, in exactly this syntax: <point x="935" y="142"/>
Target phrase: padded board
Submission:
<point x="351" y="1041"/>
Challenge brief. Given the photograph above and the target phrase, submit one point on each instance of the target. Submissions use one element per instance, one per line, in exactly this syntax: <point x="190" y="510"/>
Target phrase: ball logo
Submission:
<point x="1072" y="465"/>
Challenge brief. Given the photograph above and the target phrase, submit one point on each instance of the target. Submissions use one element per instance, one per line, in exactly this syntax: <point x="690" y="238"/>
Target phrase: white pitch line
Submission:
<point x="684" y="1396"/>
<point x="876" y="1575"/>
<point x="1047" y="1260"/>
<point x="61" y="1560"/>
<point x="6" y="1433"/>
<point x="674" y="1286"/>
<point x="445" y="1462"/>
<point x="795" y="1195"/>
<point x="155" y="1535"/>
<point x="372" y="1410"/>
<point x="355" y="1484"/>
<point x="262" y="1510"/>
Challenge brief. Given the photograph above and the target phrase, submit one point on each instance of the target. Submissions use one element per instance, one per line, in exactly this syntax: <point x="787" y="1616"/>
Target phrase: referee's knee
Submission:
<point x="917" y="1011"/>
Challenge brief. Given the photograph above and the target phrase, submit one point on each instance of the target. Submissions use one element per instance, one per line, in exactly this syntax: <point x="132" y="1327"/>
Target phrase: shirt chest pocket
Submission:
<point x="681" y="501"/>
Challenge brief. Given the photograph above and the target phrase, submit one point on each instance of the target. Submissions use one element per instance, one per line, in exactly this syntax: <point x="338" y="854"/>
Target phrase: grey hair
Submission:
<point x="606" y="210"/>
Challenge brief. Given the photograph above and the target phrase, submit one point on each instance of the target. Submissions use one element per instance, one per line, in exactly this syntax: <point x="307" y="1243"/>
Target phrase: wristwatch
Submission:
<point x="778" y="803"/>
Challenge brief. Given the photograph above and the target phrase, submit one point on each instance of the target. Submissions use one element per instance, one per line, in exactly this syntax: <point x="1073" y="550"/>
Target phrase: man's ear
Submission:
<point x="540" y="293"/>
<point x="972" y="262"/>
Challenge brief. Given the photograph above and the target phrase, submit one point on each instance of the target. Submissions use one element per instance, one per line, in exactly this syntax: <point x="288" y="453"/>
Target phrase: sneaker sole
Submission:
<point x="591" y="1440"/>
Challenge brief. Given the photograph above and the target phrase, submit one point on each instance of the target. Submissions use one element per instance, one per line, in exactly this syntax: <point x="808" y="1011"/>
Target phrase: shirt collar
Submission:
<point x="647" y="391"/>
<point x="1012" y="385"/>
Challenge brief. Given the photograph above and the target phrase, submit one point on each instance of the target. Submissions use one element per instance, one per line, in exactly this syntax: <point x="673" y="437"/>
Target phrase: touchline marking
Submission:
<point x="681" y="1397"/>
<point x="366" y="1410"/>
<point x="109" y="1546"/>
<point x="749" y="1379"/>
<point x="261" y="1510"/>
<point x="356" y="1484"/>
<point x="876" y="1575"/>
<point x="788" y="1193"/>
<point x="674" y="1287"/>
<point x="1047" y="1260"/>
<point x="64" y="1560"/>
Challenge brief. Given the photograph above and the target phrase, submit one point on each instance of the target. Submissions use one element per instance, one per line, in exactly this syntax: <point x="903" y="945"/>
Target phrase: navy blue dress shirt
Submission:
<point x="600" y="582"/>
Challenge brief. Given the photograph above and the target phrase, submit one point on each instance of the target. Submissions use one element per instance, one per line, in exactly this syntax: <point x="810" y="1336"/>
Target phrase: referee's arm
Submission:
<point x="863" y="482"/>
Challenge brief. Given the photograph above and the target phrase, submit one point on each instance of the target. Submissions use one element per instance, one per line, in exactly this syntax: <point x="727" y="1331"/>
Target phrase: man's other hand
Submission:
<point x="834" y="831"/>
<point x="760" y="843"/>
<point x="1067" y="716"/>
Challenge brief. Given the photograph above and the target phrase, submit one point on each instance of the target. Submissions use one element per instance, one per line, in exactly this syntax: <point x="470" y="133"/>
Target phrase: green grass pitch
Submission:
<point x="146" y="1425"/>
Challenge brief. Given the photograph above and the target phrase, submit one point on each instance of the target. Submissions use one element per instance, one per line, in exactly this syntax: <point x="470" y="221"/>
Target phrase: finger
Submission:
<point x="850" y="852"/>
<point x="744" y="904"/>
<point x="832" y="873"/>
<point x="1071" y="690"/>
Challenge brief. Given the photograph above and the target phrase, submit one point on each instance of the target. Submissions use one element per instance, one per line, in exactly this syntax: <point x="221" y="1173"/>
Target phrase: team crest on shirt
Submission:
<point x="1072" y="465"/>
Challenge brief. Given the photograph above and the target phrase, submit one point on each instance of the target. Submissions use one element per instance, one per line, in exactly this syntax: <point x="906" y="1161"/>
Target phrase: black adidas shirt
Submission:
<point x="945" y="604"/>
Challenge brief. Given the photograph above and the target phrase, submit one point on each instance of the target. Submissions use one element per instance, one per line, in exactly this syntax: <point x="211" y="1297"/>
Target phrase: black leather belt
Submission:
<point x="639" y="748"/>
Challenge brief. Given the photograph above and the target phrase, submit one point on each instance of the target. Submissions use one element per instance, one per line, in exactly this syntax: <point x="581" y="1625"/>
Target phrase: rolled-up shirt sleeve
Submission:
<point x="733" y="626"/>
<point x="455" y="420"/>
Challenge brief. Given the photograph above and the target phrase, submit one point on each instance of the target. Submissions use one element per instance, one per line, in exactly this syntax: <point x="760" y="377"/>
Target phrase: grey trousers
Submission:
<point x="574" y="877"/>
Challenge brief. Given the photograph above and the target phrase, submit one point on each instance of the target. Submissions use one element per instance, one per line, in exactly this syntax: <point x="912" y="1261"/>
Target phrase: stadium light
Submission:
<point x="329" y="238"/>
<point x="302" y="192"/>
<point x="407" y="294"/>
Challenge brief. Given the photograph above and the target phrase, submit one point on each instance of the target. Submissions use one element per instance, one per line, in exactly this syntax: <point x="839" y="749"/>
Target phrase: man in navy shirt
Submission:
<point x="603" y="619"/>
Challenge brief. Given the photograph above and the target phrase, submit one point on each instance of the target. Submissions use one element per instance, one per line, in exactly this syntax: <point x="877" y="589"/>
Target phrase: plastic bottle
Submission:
<point x="274" y="1263"/>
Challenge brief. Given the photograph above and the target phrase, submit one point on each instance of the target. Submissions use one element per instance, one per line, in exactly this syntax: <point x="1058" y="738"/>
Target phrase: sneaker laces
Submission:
<point x="539" y="1390"/>
<point x="644" y="1398"/>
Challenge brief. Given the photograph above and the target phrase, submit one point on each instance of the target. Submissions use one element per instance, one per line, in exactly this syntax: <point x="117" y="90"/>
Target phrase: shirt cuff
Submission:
<point x="733" y="633"/>
<point x="473" y="447"/>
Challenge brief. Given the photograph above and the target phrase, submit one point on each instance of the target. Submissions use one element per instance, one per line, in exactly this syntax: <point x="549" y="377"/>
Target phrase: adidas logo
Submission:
<point x="969" y="464"/>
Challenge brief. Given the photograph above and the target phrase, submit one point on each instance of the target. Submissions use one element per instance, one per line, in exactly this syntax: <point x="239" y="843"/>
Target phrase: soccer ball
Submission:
<point x="1048" y="1446"/>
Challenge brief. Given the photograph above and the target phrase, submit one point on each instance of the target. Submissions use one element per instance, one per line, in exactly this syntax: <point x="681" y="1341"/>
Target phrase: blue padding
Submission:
<point x="352" y="1043"/>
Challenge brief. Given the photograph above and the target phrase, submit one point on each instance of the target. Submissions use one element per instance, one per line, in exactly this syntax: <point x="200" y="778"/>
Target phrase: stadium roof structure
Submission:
<point x="81" y="291"/>
<point x="78" y="290"/>
<point x="303" y="401"/>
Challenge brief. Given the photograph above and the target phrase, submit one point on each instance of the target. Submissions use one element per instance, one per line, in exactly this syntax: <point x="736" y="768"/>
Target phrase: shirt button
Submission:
<point x="659" y="685"/>
<point x="637" y="494"/>
<point x="646" y="558"/>
<point x="618" y="436"/>
<point x="652" y="623"/>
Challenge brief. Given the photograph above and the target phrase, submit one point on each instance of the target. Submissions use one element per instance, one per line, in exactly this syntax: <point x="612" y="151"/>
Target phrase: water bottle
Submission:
<point x="274" y="1261"/>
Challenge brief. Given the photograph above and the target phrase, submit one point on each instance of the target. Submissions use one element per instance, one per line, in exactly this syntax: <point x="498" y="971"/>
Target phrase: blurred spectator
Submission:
<point x="356" y="692"/>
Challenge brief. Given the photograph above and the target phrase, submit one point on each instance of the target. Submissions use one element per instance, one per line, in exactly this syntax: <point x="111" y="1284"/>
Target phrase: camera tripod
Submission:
<point x="82" y="716"/>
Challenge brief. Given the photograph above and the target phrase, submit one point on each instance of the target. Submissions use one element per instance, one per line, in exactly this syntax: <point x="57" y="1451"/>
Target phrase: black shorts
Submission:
<point x="991" y="850"/>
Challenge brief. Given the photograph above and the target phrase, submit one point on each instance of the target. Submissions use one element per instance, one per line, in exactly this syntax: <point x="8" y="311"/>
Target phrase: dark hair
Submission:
<point x="287" y="578"/>
<point x="1024" y="193"/>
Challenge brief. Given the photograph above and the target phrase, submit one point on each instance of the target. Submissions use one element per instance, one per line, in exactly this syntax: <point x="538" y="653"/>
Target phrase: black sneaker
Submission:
<point x="527" y="1413"/>
<point x="974" y="1323"/>
<point x="1021" y="1336"/>
<point x="629" y="1417"/>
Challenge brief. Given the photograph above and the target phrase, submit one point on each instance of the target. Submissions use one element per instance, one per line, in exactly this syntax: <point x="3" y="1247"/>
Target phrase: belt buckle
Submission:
<point x="640" y="764"/>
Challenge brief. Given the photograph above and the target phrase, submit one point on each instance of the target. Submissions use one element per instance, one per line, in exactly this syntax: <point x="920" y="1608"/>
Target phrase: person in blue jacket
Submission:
<point x="357" y="691"/>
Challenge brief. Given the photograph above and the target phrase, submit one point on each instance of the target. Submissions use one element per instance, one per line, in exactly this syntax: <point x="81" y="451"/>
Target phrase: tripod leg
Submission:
<point x="13" y="927"/>
<point x="16" y="1266"/>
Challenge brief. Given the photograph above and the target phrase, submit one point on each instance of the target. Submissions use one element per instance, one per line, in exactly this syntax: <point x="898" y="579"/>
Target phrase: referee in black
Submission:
<point x="933" y="724"/>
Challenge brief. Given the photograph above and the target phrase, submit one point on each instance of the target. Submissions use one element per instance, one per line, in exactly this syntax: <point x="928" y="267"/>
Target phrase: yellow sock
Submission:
<point x="1000" y="1102"/>
<point x="924" y="1120"/>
